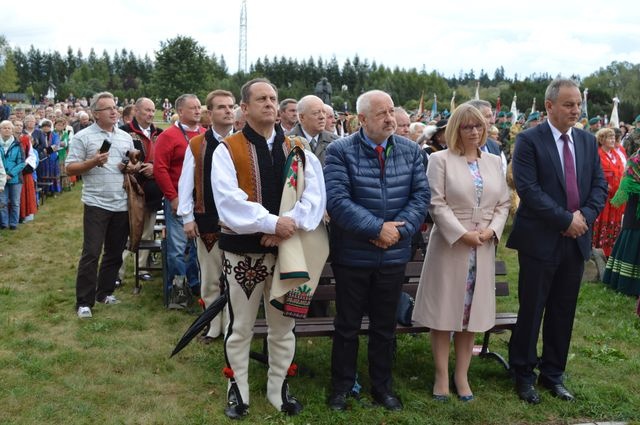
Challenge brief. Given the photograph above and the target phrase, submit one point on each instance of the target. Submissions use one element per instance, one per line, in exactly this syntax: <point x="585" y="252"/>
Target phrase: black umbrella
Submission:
<point x="200" y="323"/>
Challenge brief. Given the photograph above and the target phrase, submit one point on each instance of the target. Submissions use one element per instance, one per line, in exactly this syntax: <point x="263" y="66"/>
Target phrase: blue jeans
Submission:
<point x="182" y="259"/>
<point x="10" y="205"/>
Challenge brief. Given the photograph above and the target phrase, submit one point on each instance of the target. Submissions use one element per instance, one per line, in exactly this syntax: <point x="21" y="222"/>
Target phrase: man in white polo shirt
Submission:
<point x="106" y="221"/>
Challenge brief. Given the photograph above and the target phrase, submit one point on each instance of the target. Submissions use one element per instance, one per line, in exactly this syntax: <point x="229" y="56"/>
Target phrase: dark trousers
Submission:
<point x="547" y="293"/>
<point x="358" y="292"/>
<point x="102" y="228"/>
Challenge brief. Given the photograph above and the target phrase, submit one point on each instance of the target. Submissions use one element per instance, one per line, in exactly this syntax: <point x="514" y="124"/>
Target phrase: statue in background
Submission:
<point x="323" y="90"/>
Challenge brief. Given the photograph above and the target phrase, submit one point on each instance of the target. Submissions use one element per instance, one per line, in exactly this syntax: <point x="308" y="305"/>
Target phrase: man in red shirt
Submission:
<point x="169" y="155"/>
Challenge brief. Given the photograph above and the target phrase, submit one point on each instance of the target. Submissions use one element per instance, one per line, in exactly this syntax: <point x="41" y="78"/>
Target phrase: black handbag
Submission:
<point x="405" y="309"/>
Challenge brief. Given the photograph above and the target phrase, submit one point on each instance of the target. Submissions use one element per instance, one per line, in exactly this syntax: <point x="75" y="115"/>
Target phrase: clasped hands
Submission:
<point x="389" y="235"/>
<point x="476" y="238"/>
<point x="578" y="226"/>
<point x="285" y="228"/>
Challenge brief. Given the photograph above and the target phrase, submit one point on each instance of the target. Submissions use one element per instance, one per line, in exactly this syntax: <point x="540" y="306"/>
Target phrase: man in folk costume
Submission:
<point x="196" y="205"/>
<point x="254" y="168"/>
<point x="144" y="135"/>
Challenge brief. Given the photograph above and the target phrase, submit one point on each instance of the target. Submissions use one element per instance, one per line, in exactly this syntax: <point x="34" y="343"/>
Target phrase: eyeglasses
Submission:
<point x="469" y="128"/>
<point x="108" y="108"/>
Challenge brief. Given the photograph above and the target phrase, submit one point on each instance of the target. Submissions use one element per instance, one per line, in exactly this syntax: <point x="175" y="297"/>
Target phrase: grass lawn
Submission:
<point x="115" y="367"/>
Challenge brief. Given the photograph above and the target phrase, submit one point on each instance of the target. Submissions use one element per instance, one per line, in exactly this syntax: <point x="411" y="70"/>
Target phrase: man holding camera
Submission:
<point x="96" y="153"/>
<point x="144" y="135"/>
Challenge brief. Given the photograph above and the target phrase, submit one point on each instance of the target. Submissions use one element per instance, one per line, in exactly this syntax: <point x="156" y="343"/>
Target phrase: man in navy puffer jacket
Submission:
<point x="377" y="198"/>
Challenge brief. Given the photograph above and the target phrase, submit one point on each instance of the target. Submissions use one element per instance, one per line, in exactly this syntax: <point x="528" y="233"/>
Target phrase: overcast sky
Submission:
<point x="557" y="37"/>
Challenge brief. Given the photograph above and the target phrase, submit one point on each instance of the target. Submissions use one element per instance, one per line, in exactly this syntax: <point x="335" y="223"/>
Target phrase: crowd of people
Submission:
<point x="258" y="194"/>
<point x="35" y="152"/>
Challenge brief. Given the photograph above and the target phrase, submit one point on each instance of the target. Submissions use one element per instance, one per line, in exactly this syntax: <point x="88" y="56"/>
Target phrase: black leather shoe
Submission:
<point x="235" y="410"/>
<point x="338" y="401"/>
<point x="528" y="393"/>
<point x="292" y="407"/>
<point x="145" y="276"/>
<point x="388" y="401"/>
<point x="557" y="390"/>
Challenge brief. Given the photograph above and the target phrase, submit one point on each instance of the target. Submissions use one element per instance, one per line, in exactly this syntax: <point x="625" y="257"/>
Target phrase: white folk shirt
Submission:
<point x="245" y="217"/>
<point x="186" y="183"/>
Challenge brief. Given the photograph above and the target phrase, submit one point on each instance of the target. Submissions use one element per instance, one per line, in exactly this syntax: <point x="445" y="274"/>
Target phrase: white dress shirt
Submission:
<point x="560" y="145"/>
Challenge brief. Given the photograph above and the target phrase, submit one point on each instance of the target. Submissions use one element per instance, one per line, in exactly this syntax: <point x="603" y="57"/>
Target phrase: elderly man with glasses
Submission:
<point x="311" y="125"/>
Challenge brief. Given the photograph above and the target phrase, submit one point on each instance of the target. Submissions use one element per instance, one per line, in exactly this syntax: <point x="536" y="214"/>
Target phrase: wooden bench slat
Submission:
<point x="502" y="289"/>
<point x="326" y="291"/>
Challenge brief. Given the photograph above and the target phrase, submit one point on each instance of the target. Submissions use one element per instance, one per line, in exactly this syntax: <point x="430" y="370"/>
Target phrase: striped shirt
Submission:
<point x="102" y="186"/>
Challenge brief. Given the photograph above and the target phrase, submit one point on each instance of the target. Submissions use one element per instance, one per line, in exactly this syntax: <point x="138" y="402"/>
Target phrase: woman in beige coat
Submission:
<point x="469" y="207"/>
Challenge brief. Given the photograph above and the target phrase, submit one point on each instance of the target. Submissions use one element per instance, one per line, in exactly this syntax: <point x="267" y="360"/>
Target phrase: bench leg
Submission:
<point x="262" y="357"/>
<point x="484" y="352"/>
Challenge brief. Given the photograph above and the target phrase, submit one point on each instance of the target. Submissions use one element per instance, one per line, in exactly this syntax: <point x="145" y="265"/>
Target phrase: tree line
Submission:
<point x="182" y="65"/>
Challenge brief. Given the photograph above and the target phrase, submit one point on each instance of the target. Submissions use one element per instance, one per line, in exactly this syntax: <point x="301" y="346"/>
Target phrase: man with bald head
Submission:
<point x="311" y="125"/>
<point x="167" y="167"/>
<point x="377" y="198"/>
<point x="238" y="119"/>
<point x="81" y="122"/>
<point x="144" y="135"/>
<point x="403" y="121"/>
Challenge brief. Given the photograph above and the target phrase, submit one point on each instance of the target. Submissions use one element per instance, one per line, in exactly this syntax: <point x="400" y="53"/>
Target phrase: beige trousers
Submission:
<point x="210" y="271"/>
<point x="249" y="280"/>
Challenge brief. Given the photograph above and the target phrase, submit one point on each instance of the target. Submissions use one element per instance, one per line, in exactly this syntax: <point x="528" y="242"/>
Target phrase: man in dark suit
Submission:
<point x="557" y="173"/>
<point x="311" y="123"/>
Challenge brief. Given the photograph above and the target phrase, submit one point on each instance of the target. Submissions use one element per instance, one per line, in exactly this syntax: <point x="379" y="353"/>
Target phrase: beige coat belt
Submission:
<point x="475" y="215"/>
